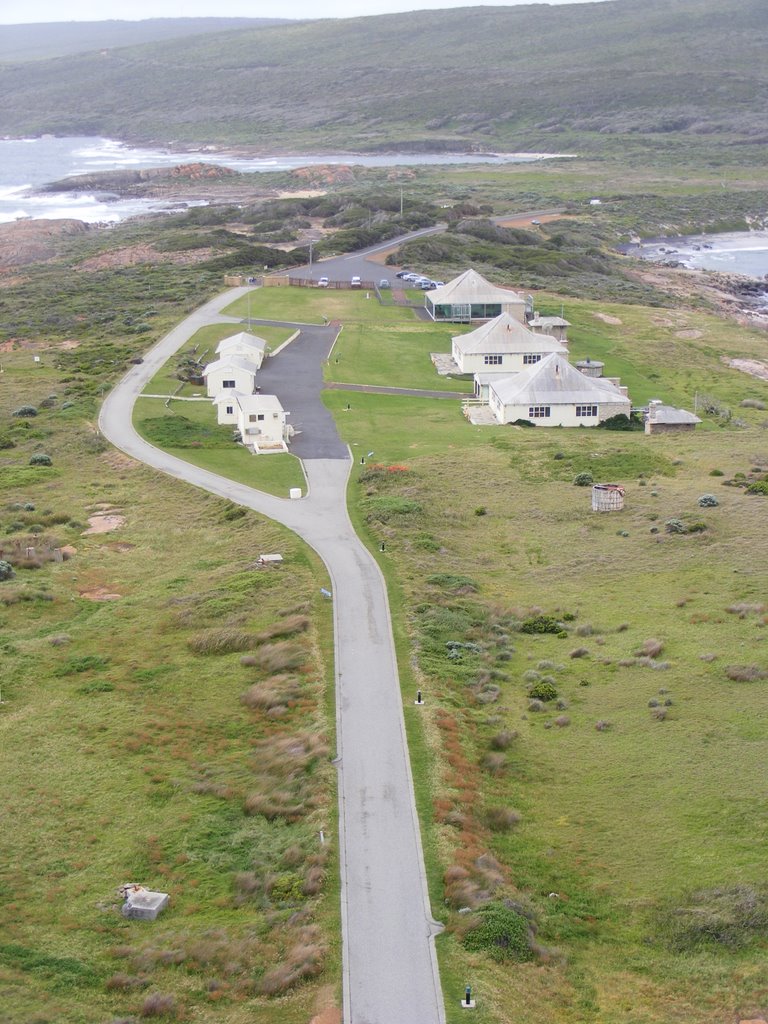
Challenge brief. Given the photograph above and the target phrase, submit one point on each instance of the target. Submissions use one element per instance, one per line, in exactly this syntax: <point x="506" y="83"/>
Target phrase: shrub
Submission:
<point x="540" y="624"/>
<point x="758" y="487"/>
<point x="602" y="725"/>
<point x="535" y="705"/>
<point x="86" y="663"/>
<point x="579" y="652"/>
<point x="543" y="691"/>
<point x="745" y="673"/>
<point x="716" y="472"/>
<point x="450" y="581"/>
<point x="220" y="641"/>
<point x="41" y="460"/>
<point x="481" y="510"/>
<point x="752" y="403"/>
<point x="562" y="721"/>
<point x="708" y="501"/>
<point x="650" y="649"/>
<point x="675" y="526"/>
<point x="6" y="570"/>
<point x="501" y="819"/>
<point x="158" y="1005"/>
<point x="623" y="422"/>
<point x="583" y="480"/>
<point x="25" y="411"/>
<point x="730" y="917"/>
<point x="494" y="764"/>
<point x="504" y="739"/>
<point x="502" y="933"/>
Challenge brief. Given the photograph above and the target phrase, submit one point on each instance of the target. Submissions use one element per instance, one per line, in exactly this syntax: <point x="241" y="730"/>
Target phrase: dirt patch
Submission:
<point x="68" y="551"/>
<point x="38" y="346"/>
<point x="689" y="334"/>
<point x="607" y="319"/>
<point x="326" y="1012"/>
<point x="526" y="222"/>
<point x="135" y="255"/>
<point x="117" y="460"/>
<point x="99" y="594"/>
<point x="121" y="549"/>
<point x="303" y="193"/>
<point x="754" y="367"/>
<point x="103" y="523"/>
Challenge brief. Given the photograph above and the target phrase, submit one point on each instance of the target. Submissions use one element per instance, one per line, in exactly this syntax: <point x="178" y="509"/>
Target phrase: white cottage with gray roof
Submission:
<point x="246" y="346"/>
<point x="552" y="393"/>
<point x="230" y="374"/>
<point x="504" y="345"/>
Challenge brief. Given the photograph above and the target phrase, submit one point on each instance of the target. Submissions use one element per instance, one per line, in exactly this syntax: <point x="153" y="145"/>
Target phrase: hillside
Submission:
<point x="59" y="39"/>
<point x="491" y="77"/>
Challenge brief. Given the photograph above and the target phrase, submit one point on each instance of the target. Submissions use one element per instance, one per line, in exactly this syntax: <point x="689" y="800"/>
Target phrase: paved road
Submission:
<point x="390" y="966"/>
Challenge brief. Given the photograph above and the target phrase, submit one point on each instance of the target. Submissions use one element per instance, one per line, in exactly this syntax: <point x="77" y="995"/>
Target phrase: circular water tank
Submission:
<point x="590" y="367"/>
<point x="607" y="498"/>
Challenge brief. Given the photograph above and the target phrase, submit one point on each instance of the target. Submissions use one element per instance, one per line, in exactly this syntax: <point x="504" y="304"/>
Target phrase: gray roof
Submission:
<point x="243" y="338"/>
<point x="471" y="287"/>
<point x="236" y="362"/>
<point x="549" y="321"/>
<point x="668" y="414"/>
<point x="505" y="334"/>
<point x="553" y="381"/>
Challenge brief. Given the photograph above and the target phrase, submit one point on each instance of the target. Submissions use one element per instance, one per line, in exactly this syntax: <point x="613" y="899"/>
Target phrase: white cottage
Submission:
<point x="553" y="393"/>
<point x="470" y="297"/>
<point x="260" y="419"/>
<point x="504" y="345"/>
<point x="246" y="346"/>
<point x="230" y="374"/>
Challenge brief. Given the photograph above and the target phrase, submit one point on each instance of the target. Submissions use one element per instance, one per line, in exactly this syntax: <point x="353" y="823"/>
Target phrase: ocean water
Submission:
<point x="740" y="252"/>
<point x="27" y="164"/>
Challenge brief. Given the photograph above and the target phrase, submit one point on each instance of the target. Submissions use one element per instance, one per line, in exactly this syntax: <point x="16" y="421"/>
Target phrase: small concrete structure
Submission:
<point x="665" y="419"/>
<point x="142" y="904"/>
<point x="555" y="326"/>
<point x="274" y="559"/>
<point x="590" y="367"/>
<point x="607" y="498"/>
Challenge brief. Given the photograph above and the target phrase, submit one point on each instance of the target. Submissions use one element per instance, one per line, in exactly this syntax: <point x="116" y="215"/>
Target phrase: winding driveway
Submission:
<point x="389" y="963"/>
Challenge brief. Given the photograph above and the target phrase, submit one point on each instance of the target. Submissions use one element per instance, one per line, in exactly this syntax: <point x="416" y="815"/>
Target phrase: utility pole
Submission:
<point x="401" y="200"/>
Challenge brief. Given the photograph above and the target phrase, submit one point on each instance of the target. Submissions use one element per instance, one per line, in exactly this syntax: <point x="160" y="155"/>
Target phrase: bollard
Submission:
<point x="383" y="546"/>
<point x="418" y="698"/>
<point x="468" y="1003"/>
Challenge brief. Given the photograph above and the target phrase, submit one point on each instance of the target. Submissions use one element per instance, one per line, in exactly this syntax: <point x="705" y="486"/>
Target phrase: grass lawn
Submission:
<point x="210" y="446"/>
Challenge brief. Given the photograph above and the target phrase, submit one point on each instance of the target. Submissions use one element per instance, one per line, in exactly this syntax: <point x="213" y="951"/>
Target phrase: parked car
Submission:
<point x="439" y="284"/>
<point x="356" y="282"/>
<point x="384" y="283"/>
<point x="411" y="278"/>
<point x="534" y="221"/>
<point x="402" y="274"/>
<point x="323" y="282"/>
<point x="427" y="286"/>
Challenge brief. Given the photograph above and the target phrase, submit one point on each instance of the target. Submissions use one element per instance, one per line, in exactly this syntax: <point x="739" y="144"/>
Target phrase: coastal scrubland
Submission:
<point x="589" y="759"/>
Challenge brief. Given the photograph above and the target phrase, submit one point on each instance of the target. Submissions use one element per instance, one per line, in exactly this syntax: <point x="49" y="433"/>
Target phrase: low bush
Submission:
<point x="745" y="673"/>
<point x="708" y="501"/>
<point x="543" y="691"/>
<point x="158" y="1005"/>
<point x="501" y="819"/>
<point x="25" y="412"/>
<point x="541" y="624"/>
<point x="583" y="480"/>
<point x="675" y="526"/>
<point x="6" y="570"/>
<point x="85" y="663"/>
<point x="730" y="917"/>
<point x="224" y="640"/>
<point x="758" y="487"/>
<point x="502" y="933"/>
<point x="504" y="739"/>
<point x="650" y="649"/>
<point x="40" y="459"/>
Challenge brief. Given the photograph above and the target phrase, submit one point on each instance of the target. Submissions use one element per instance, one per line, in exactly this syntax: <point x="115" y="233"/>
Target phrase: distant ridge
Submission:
<point x="64" y="38"/>
<point x="536" y="76"/>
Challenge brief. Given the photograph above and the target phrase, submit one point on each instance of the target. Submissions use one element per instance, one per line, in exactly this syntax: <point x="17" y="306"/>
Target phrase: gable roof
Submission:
<point x="244" y="340"/>
<point x="471" y="287"/>
<point x="230" y="362"/>
<point x="553" y="381"/>
<point x="505" y="334"/>
<point x="259" y="403"/>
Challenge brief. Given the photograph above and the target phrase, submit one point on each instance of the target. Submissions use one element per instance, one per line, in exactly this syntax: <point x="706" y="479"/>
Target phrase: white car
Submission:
<point x="323" y="282"/>
<point x="356" y="282"/>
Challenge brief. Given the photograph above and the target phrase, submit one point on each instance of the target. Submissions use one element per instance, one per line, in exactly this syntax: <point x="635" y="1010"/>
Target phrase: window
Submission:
<point x="227" y="383"/>
<point x="230" y="410"/>
<point x="260" y="416"/>
<point x="586" y="410"/>
<point x="529" y="358"/>
<point x="492" y="360"/>
<point x="538" y="412"/>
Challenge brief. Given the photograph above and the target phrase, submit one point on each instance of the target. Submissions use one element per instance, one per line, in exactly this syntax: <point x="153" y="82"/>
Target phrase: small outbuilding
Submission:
<point x="664" y="419"/>
<point x="246" y="346"/>
<point x="552" y="393"/>
<point x="556" y="326"/>
<point x="503" y="345"/>
<point x="230" y="374"/>
<point x="470" y="297"/>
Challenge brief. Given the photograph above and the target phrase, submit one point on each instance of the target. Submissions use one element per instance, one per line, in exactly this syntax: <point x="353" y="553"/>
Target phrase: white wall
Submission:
<point x="243" y="381"/>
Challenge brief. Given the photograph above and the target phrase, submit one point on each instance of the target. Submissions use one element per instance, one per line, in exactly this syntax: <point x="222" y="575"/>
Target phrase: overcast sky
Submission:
<point x="20" y="12"/>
